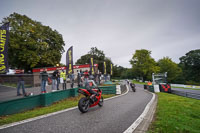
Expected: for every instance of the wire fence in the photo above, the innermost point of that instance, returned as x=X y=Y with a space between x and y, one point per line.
x=186 y=94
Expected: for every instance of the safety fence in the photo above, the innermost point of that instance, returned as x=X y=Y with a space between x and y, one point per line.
x=46 y=99
x=167 y=88
x=185 y=86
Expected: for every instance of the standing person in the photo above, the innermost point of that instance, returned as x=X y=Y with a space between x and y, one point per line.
x=86 y=76
x=44 y=78
x=78 y=78
x=21 y=83
x=54 y=75
x=71 y=76
x=81 y=72
x=63 y=76
x=99 y=77
x=58 y=78
x=105 y=77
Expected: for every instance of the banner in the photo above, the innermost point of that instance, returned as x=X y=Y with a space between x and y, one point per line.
x=69 y=60
x=92 y=66
x=111 y=69
x=4 y=36
x=104 y=66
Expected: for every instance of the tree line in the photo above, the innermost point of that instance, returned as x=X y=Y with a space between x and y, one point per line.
x=185 y=72
x=33 y=45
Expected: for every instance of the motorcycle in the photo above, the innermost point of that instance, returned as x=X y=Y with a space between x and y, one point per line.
x=89 y=100
x=133 y=87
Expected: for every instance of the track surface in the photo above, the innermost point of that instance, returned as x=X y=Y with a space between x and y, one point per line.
x=114 y=117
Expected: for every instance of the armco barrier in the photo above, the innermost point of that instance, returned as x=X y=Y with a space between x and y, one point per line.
x=186 y=94
x=22 y=104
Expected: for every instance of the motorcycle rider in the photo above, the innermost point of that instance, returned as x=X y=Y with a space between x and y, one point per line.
x=87 y=85
x=132 y=86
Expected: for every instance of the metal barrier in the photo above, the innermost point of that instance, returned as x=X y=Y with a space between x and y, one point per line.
x=186 y=94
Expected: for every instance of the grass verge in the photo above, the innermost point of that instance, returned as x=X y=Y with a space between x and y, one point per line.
x=137 y=82
x=176 y=114
x=61 y=105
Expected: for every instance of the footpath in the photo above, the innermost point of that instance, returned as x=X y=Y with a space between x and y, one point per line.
x=10 y=93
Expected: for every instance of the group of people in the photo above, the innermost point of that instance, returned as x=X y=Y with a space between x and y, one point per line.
x=84 y=79
x=57 y=78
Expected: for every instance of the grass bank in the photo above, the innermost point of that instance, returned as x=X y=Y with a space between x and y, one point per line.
x=137 y=82
x=176 y=114
x=61 y=105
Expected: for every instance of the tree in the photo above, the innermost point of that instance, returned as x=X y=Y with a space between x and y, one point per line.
x=190 y=64
x=118 y=71
x=143 y=64
x=32 y=44
x=173 y=70
x=127 y=74
x=98 y=56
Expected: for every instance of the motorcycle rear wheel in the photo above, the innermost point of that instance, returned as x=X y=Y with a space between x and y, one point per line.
x=101 y=102
x=83 y=105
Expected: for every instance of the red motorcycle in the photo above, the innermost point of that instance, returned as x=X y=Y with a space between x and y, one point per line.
x=90 y=100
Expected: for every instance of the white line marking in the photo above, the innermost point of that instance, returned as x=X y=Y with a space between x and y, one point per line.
x=51 y=114
x=141 y=117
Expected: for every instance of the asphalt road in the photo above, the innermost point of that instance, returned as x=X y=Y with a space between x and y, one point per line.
x=114 y=117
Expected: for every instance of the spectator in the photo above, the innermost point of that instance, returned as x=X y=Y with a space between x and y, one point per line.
x=44 y=77
x=54 y=76
x=81 y=72
x=21 y=83
x=71 y=76
x=58 y=79
x=99 y=77
x=78 y=78
x=86 y=75
x=63 y=76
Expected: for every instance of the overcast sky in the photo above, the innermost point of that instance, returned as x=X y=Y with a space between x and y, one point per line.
x=118 y=27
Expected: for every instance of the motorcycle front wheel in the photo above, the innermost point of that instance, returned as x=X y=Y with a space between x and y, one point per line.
x=83 y=105
x=101 y=102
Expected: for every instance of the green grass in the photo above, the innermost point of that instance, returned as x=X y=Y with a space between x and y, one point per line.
x=176 y=114
x=185 y=88
x=64 y=104
x=136 y=82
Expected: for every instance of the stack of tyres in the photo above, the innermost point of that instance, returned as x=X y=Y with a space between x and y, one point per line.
x=151 y=88
x=165 y=88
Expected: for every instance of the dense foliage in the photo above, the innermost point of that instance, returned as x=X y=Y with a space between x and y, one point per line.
x=32 y=44
x=190 y=64
x=143 y=64
x=186 y=72
x=98 y=56
x=173 y=70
